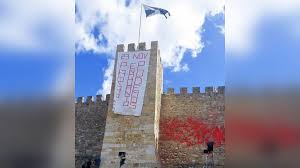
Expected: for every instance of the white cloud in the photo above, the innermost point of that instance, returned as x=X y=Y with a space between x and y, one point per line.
x=26 y=26
x=242 y=18
x=37 y=26
x=106 y=85
x=185 y=68
x=119 y=24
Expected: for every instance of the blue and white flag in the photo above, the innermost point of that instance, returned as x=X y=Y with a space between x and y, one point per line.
x=150 y=11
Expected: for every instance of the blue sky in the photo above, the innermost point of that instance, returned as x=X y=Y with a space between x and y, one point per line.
x=31 y=70
x=207 y=69
x=274 y=61
x=28 y=73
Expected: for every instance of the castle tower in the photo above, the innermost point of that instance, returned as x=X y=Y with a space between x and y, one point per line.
x=137 y=136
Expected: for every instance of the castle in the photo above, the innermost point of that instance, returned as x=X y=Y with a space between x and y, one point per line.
x=172 y=130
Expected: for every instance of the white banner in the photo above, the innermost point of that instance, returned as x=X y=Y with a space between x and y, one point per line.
x=131 y=79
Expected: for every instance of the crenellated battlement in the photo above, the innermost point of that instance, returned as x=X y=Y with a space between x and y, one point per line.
x=170 y=91
x=140 y=47
x=152 y=137
x=90 y=115
x=196 y=90
x=92 y=99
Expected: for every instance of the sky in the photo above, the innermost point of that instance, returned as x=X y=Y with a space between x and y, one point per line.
x=66 y=48
x=36 y=48
x=260 y=47
x=90 y=66
x=275 y=60
x=262 y=51
x=191 y=42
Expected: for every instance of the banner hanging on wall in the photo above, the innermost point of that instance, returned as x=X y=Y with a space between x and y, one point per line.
x=130 y=85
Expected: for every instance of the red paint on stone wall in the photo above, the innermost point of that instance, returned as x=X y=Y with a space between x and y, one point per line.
x=191 y=131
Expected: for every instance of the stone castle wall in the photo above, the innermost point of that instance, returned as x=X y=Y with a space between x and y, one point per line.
x=182 y=116
x=171 y=132
x=131 y=134
x=90 y=124
x=187 y=122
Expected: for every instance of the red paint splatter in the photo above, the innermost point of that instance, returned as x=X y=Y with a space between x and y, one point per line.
x=191 y=131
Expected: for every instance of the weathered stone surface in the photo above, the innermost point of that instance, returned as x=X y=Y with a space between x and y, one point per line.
x=186 y=113
x=135 y=135
x=170 y=132
x=89 y=126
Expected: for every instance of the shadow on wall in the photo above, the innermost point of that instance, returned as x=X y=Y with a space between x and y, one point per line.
x=91 y=163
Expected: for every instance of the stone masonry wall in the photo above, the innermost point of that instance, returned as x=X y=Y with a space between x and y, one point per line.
x=187 y=122
x=90 y=124
x=171 y=132
x=131 y=134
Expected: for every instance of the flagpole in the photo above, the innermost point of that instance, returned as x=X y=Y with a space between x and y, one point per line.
x=140 y=24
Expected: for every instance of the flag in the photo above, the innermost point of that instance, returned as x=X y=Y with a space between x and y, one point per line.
x=150 y=11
